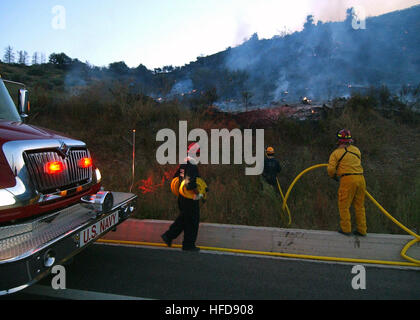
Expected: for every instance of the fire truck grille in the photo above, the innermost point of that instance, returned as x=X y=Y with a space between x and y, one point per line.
x=72 y=175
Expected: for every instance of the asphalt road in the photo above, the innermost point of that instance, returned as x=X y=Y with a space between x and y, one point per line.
x=171 y=274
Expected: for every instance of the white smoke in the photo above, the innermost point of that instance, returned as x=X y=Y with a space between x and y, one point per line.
x=182 y=87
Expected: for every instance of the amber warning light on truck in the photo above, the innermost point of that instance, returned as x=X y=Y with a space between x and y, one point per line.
x=54 y=167
x=85 y=163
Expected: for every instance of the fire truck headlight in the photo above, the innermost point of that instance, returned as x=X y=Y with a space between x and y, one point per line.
x=6 y=198
x=98 y=175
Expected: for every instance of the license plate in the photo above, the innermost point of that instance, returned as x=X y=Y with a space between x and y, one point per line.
x=98 y=228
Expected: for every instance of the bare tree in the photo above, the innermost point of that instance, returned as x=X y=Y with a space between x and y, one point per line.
x=43 y=58
x=35 y=58
x=246 y=97
x=9 y=56
x=23 y=57
x=20 y=57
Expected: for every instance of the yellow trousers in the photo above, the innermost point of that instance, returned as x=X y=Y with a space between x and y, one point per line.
x=352 y=191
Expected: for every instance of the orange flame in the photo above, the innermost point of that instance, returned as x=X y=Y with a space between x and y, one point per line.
x=149 y=186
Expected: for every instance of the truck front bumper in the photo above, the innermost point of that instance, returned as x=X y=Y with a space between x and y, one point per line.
x=29 y=251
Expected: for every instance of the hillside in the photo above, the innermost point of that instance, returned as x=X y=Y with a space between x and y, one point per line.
x=322 y=62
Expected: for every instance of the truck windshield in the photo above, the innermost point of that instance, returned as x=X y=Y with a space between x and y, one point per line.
x=8 y=109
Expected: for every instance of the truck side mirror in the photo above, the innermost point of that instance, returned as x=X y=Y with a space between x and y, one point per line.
x=23 y=103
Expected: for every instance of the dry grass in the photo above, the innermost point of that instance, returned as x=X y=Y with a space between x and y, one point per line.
x=104 y=120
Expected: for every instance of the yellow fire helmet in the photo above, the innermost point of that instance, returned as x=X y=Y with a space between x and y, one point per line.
x=175 y=186
x=201 y=187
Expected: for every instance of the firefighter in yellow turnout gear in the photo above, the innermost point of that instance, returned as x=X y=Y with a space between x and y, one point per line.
x=345 y=165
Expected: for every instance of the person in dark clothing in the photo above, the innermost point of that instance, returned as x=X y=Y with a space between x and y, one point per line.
x=188 y=219
x=271 y=169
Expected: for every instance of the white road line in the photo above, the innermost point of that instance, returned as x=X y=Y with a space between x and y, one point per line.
x=72 y=294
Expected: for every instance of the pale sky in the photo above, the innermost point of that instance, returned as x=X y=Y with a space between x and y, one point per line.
x=160 y=32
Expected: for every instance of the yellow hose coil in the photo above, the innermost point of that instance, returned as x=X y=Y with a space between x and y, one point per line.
x=175 y=186
x=189 y=194
x=387 y=214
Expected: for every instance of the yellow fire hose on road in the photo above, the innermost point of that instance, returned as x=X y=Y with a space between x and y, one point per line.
x=413 y=263
x=387 y=214
x=285 y=208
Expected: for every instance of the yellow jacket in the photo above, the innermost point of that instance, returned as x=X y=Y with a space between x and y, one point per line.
x=351 y=163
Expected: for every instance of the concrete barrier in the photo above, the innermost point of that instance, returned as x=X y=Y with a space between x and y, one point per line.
x=291 y=241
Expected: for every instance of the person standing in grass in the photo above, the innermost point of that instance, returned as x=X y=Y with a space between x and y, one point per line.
x=345 y=165
x=269 y=176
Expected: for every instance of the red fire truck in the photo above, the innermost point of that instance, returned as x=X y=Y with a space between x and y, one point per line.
x=52 y=205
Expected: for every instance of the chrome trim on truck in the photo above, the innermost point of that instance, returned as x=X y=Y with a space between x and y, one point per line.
x=25 y=192
x=72 y=174
x=22 y=256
